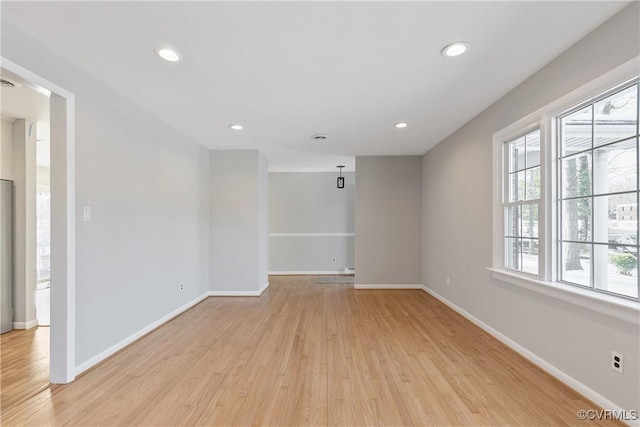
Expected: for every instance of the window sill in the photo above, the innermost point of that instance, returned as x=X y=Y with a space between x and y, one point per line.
x=618 y=308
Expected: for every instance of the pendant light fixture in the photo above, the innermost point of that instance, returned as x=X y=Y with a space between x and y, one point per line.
x=340 y=178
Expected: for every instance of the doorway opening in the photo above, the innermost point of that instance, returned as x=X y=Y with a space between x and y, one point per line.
x=24 y=174
x=39 y=164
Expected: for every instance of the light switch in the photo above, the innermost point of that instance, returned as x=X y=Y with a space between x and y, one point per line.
x=87 y=214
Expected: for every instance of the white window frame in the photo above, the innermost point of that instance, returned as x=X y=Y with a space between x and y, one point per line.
x=504 y=198
x=546 y=282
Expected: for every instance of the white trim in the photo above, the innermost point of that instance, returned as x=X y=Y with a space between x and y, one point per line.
x=534 y=358
x=25 y=325
x=234 y=293
x=387 y=286
x=618 y=308
x=137 y=335
x=312 y=234
x=63 y=241
x=257 y=293
x=304 y=273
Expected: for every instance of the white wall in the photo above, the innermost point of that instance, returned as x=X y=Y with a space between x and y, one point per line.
x=388 y=220
x=148 y=186
x=310 y=202
x=238 y=184
x=457 y=214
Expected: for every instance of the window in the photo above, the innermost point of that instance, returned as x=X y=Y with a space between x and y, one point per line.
x=598 y=178
x=522 y=200
x=566 y=194
x=43 y=239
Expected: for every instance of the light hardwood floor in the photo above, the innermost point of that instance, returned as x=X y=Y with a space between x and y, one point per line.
x=308 y=354
x=24 y=365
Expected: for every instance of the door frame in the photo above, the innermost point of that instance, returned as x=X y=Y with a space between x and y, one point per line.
x=63 y=224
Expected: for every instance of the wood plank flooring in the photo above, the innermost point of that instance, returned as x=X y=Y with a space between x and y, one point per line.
x=310 y=354
x=24 y=364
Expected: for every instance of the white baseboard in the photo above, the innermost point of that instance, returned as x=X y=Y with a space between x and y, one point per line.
x=125 y=342
x=389 y=286
x=304 y=273
x=586 y=391
x=25 y=325
x=264 y=288
x=239 y=293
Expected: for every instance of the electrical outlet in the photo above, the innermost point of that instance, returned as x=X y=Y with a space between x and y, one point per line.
x=448 y=281
x=181 y=287
x=334 y=259
x=617 y=362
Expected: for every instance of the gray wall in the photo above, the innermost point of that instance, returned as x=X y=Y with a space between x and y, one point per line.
x=457 y=197
x=388 y=220
x=310 y=202
x=6 y=149
x=148 y=188
x=263 y=220
x=238 y=232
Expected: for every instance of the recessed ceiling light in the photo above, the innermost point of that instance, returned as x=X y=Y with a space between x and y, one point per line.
x=236 y=127
x=401 y=125
x=167 y=54
x=455 y=49
x=320 y=137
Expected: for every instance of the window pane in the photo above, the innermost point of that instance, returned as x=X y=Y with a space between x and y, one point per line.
x=616 y=269
x=530 y=221
x=576 y=220
x=530 y=256
x=614 y=167
x=576 y=263
x=615 y=219
x=576 y=176
x=43 y=239
x=576 y=131
x=516 y=155
x=513 y=252
x=533 y=149
x=513 y=221
x=532 y=184
x=616 y=116
x=516 y=186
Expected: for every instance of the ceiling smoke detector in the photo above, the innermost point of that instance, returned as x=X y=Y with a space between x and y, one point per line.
x=320 y=137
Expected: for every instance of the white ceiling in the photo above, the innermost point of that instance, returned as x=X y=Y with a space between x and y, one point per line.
x=288 y=70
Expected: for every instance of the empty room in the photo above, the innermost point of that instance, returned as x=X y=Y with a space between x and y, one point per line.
x=319 y=213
